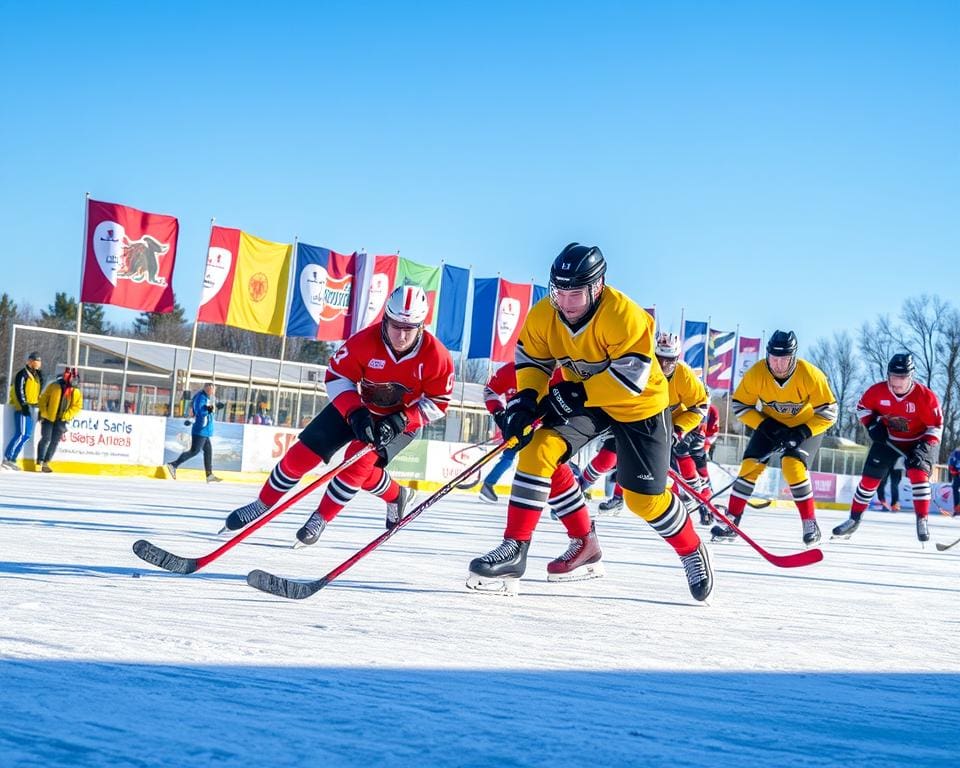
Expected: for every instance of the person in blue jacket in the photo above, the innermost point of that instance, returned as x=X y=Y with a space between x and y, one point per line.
x=202 y=407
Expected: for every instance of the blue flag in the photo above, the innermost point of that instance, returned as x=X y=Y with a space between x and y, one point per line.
x=452 y=314
x=695 y=346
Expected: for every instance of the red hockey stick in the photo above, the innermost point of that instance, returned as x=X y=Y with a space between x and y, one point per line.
x=794 y=560
x=177 y=564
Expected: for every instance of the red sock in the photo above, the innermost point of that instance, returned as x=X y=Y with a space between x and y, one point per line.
x=921 y=503
x=688 y=469
x=686 y=541
x=604 y=461
x=295 y=464
x=521 y=522
x=736 y=506
x=807 y=510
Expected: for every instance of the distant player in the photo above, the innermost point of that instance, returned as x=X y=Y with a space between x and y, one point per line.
x=385 y=384
x=903 y=418
x=789 y=404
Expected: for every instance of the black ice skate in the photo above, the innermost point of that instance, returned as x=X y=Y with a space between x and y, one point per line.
x=699 y=573
x=724 y=532
x=244 y=515
x=846 y=529
x=613 y=505
x=811 y=532
x=923 y=530
x=310 y=532
x=395 y=510
x=499 y=570
x=488 y=494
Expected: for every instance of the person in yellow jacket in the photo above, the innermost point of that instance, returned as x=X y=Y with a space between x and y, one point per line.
x=25 y=391
x=789 y=404
x=604 y=343
x=59 y=403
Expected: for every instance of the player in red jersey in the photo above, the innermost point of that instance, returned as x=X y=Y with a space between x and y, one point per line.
x=903 y=418
x=385 y=383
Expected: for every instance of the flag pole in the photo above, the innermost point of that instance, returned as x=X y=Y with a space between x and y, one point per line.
x=706 y=353
x=682 y=329
x=493 y=330
x=463 y=357
x=283 y=340
x=83 y=270
x=196 y=320
x=733 y=372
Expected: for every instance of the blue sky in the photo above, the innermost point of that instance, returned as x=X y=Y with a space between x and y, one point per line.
x=765 y=164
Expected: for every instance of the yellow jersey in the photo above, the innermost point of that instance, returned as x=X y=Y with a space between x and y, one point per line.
x=804 y=398
x=612 y=354
x=689 y=400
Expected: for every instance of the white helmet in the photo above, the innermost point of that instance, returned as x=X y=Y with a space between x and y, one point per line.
x=408 y=305
x=668 y=346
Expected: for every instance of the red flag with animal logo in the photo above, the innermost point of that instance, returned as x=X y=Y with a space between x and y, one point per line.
x=129 y=258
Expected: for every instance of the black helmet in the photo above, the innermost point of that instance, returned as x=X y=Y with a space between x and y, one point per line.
x=901 y=364
x=577 y=265
x=782 y=344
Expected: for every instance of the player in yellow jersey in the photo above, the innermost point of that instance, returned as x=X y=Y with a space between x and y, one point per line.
x=789 y=404
x=689 y=403
x=612 y=382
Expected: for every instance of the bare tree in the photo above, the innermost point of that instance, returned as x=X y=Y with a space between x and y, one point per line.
x=877 y=343
x=836 y=358
x=923 y=319
x=948 y=353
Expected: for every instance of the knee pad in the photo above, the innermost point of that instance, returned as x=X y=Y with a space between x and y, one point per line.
x=751 y=469
x=644 y=506
x=544 y=453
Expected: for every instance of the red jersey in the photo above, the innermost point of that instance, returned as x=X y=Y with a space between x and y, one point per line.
x=365 y=372
x=710 y=426
x=914 y=416
x=503 y=385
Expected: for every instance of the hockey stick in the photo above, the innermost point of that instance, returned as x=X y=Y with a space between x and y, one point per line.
x=474 y=479
x=298 y=590
x=761 y=503
x=177 y=564
x=793 y=560
x=945 y=547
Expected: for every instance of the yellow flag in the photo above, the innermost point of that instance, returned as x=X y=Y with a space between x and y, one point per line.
x=259 y=297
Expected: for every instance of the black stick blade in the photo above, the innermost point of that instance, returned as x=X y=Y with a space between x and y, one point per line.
x=163 y=559
x=281 y=587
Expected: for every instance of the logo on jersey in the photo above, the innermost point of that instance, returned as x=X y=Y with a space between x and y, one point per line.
x=911 y=408
x=382 y=394
x=898 y=423
x=583 y=368
x=786 y=409
x=377 y=364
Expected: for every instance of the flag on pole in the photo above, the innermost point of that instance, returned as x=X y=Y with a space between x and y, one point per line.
x=452 y=311
x=720 y=373
x=499 y=310
x=539 y=292
x=428 y=278
x=321 y=307
x=748 y=352
x=695 y=345
x=129 y=258
x=245 y=283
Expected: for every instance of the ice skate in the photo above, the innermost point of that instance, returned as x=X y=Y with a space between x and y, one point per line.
x=172 y=470
x=395 y=510
x=811 y=532
x=310 y=532
x=846 y=529
x=581 y=561
x=613 y=505
x=699 y=573
x=923 y=529
x=244 y=516
x=724 y=532
x=487 y=494
x=498 y=572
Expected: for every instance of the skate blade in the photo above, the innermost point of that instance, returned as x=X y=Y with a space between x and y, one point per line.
x=495 y=585
x=583 y=573
x=841 y=536
x=723 y=539
x=299 y=545
x=224 y=531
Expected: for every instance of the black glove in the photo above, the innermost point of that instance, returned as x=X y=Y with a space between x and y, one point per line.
x=25 y=410
x=677 y=437
x=209 y=408
x=362 y=424
x=500 y=419
x=922 y=456
x=388 y=429
x=792 y=437
x=564 y=401
x=521 y=413
x=773 y=430
x=878 y=432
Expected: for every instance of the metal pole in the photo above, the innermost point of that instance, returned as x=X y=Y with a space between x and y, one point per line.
x=83 y=265
x=123 y=383
x=196 y=320
x=283 y=342
x=13 y=348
